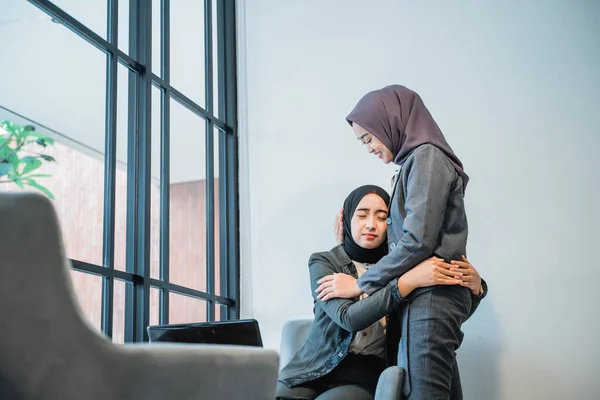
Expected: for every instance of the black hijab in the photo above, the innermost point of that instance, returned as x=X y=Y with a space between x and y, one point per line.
x=357 y=253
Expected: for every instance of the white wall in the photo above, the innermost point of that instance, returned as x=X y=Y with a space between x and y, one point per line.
x=515 y=86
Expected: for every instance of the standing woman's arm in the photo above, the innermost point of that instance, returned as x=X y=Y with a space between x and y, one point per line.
x=428 y=177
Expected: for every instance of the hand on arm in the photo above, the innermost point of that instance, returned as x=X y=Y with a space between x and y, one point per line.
x=349 y=314
x=337 y=286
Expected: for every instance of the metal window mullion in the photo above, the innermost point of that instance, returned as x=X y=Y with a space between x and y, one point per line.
x=132 y=178
x=91 y=268
x=210 y=219
x=110 y=167
x=138 y=252
x=228 y=152
x=223 y=217
x=144 y=92
x=173 y=288
x=165 y=159
x=223 y=207
x=210 y=180
x=190 y=104
x=232 y=227
x=231 y=155
x=232 y=160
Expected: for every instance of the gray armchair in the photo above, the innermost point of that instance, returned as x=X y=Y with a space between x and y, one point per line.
x=48 y=351
x=294 y=334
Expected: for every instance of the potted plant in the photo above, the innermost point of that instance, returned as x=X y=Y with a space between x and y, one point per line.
x=20 y=155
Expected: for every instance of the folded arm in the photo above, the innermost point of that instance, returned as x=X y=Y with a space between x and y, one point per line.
x=350 y=314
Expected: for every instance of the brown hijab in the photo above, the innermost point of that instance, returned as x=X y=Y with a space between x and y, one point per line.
x=398 y=117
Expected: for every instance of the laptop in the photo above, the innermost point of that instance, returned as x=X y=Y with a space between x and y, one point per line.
x=243 y=332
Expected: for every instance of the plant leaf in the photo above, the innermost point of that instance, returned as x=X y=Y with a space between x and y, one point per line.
x=39 y=187
x=36 y=176
x=5 y=168
x=27 y=159
x=17 y=181
x=32 y=165
x=36 y=135
x=47 y=158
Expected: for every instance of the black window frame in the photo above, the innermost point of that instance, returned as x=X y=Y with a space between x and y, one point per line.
x=138 y=61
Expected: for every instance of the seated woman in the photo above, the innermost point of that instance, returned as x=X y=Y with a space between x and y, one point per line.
x=346 y=349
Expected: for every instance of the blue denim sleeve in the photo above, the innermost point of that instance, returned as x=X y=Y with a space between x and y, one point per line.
x=427 y=177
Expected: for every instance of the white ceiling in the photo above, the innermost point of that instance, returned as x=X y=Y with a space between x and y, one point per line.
x=53 y=77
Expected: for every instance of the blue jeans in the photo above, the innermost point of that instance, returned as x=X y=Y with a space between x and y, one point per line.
x=430 y=336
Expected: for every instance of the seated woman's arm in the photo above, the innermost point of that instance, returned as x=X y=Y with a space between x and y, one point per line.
x=353 y=315
x=349 y=314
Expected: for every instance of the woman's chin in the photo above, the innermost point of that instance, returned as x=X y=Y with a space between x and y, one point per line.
x=369 y=245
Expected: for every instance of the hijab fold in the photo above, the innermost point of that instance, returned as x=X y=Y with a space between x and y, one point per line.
x=356 y=252
x=399 y=119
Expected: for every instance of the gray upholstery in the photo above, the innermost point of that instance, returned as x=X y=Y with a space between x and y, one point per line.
x=48 y=351
x=294 y=334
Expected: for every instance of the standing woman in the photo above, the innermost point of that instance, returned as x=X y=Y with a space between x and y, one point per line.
x=427 y=218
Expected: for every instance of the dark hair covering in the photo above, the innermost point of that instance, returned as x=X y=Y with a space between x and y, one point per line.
x=399 y=119
x=356 y=252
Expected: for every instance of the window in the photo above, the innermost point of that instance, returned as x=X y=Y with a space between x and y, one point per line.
x=142 y=114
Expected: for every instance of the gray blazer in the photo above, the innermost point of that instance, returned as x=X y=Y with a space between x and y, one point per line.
x=427 y=216
x=337 y=320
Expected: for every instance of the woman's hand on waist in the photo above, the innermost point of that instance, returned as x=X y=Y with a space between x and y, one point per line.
x=470 y=277
x=431 y=272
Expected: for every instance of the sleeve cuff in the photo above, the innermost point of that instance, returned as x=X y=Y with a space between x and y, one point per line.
x=396 y=296
x=365 y=287
x=485 y=290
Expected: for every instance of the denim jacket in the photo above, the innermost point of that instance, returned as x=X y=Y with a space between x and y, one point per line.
x=337 y=320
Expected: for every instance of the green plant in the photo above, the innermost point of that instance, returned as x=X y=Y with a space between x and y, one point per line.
x=18 y=161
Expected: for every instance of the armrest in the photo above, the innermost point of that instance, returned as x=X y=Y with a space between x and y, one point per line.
x=389 y=385
x=177 y=371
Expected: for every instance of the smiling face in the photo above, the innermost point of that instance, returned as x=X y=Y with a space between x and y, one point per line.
x=374 y=145
x=368 y=225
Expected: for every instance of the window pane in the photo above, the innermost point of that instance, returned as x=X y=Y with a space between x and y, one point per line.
x=156 y=36
x=119 y=311
x=183 y=309
x=215 y=55
x=187 y=61
x=220 y=312
x=92 y=14
x=124 y=25
x=154 y=306
x=155 y=229
x=187 y=253
x=88 y=289
x=121 y=172
x=217 y=250
x=63 y=89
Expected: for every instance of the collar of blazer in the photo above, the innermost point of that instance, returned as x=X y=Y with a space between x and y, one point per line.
x=342 y=258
